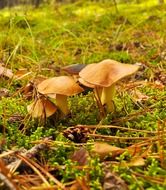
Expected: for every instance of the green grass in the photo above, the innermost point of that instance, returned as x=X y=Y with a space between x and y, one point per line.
x=87 y=32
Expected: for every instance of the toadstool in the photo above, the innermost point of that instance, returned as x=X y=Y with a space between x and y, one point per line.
x=73 y=70
x=41 y=108
x=60 y=88
x=102 y=77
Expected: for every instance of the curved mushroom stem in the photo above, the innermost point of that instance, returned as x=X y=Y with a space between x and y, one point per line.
x=106 y=97
x=98 y=92
x=61 y=102
x=97 y=95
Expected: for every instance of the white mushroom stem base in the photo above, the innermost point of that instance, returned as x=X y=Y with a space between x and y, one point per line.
x=106 y=94
x=61 y=102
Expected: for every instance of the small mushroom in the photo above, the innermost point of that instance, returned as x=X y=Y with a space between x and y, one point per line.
x=60 y=88
x=41 y=108
x=102 y=77
x=73 y=70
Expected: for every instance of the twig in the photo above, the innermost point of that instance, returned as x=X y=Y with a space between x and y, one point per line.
x=6 y=177
x=118 y=138
x=159 y=180
x=54 y=187
x=114 y=127
x=7 y=182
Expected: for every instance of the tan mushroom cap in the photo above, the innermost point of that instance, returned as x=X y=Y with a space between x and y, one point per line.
x=106 y=72
x=87 y=84
x=63 y=85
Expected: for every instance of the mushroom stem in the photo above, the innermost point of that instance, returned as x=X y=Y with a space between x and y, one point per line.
x=98 y=92
x=61 y=101
x=106 y=97
x=97 y=95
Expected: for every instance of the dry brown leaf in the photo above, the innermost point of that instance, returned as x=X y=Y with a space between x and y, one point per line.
x=113 y=182
x=6 y=72
x=139 y=96
x=134 y=150
x=4 y=92
x=80 y=156
x=27 y=89
x=159 y=85
x=136 y=161
x=104 y=149
x=41 y=108
x=38 y=79
x=21 y=73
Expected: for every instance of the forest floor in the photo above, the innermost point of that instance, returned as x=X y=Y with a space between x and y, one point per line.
x=124 y=150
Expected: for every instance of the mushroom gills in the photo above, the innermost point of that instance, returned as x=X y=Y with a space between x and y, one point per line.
x=61 y=102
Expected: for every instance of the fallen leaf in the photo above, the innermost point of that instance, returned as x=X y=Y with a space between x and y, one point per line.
x=112 y=181
x=134 y=150
x=139 y=96
x=38 y=79
x=21 y=73
x=136 y=161
x=6 y=72
x=4 y=92
x=158 y=84
x=80 y=156
x=104 y=149
x=28 y=90
x=41 y=108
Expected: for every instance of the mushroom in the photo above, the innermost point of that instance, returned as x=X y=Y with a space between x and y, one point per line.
x=41 y=108
x=60 y=88
x=103 y=76
x=73 y=70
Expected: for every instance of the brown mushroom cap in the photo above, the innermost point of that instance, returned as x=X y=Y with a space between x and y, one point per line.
x=106 y=72
x=63 y=85
x=73 y=69
x=84 y=83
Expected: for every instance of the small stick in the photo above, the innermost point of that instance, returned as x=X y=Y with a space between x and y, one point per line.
x=118 y=138
x=114 y=127
x=7 y=182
